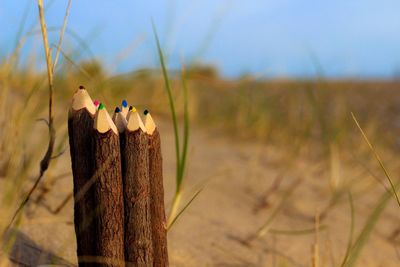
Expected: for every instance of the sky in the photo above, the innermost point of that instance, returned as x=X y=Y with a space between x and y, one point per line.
x=265 y=38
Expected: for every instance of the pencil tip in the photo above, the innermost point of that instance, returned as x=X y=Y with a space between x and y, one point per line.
x=124 y=103
x=117 y=110
x=81 y=87
x=101 y=106
x=130 y=108
x=146 y=112
x=96 y=102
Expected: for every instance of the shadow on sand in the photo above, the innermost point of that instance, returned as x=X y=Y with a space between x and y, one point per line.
x=25 y=252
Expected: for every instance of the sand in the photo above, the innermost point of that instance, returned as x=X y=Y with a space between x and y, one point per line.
x=244 y=182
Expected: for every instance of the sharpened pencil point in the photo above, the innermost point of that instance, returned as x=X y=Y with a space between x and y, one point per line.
x=124 y=103
x=130 y=108
x=146 y=112
x=81 y=87
x=82 y=100
x=117 y=110
x=96 y=103
x=101 y=106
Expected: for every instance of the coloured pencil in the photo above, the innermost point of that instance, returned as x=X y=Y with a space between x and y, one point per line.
x=108 y=191
x=80 y=125
x=158 y=220
x=135 y=170
x=124 y=108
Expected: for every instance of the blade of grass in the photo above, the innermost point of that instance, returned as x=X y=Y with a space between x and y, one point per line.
x=368 y=227
x=265 y=227
x=171 y=100
x=180 y=161
x=377 y=212
x=184 y=208
x=22 y=24
x=215 y=25
x=82 y=45
x=44 y=163
x=48 y=58
x=378 y=158
x=62 y=32
x=351 y=233
x=186 y=127
x=70 y=60
x=315 y=247
x=182 y=164
x=14 y=56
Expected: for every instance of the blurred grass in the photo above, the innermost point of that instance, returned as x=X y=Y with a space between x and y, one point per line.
x=272 y=111
x=267 y=110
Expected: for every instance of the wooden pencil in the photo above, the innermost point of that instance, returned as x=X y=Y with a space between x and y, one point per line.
x=124 y=108
x=135 y=162
x=96 y=103
x=119 y=120
x=129 y=112
x=80 y=125
x=158 y=220
x=108 y=191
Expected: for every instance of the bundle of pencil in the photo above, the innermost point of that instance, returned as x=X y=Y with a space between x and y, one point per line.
x=118 y=185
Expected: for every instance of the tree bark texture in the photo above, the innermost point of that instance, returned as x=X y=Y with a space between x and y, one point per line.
x=108 y=193
x=158 y=220
x=135 y=173
x=80 y=126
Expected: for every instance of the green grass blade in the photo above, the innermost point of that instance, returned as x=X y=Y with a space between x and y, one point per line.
x=378 y=158
x=184 y=208
x=185 y=130
x=171 y=102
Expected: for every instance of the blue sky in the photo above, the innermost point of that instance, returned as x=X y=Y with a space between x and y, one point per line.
x=276 y=38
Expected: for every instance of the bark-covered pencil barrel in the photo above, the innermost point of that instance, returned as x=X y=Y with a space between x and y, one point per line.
x=108 y=191
x=158 y=220
x=135 y=162
x=80 y=125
